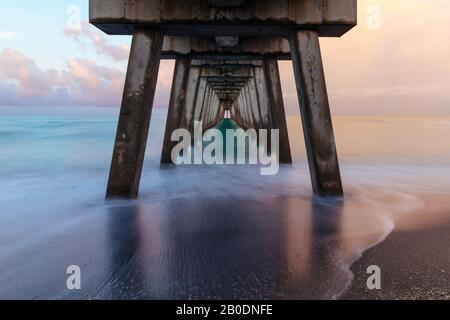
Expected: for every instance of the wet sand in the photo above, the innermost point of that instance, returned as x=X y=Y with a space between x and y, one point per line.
x=414 y=265
x=414 y=260
x=235 y=244
x=221 y=248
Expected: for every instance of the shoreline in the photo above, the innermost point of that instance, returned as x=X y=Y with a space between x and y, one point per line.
x=414 y=264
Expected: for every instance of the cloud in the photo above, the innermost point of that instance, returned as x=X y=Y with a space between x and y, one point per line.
x=401 y=68
x=81 y=83
x=90 y=34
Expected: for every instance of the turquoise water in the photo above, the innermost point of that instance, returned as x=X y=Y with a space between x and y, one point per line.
x=195 y=232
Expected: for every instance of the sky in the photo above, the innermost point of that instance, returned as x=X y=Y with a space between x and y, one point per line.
x=396 y=61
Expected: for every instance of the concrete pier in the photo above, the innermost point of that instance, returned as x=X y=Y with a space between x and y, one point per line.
x=278 y=114
x=187 y=114
x=227 y=56
x=135 y=114
x=176 y=105
x=315 y=111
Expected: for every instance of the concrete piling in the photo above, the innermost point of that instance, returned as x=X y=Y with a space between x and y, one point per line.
x=261 y=88
x=315 y=112
x=278 y=115
x=225 y=64
x=135 y=114
x=176 y=105
x=187 y=116
x=200 y=99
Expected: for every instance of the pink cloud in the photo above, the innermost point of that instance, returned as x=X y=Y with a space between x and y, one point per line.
x=82 y=82
x=97 y=39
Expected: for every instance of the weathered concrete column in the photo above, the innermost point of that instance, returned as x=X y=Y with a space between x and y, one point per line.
x=200 y=100
x=240 y=104
x=315 y=111
x=249 y=107
x=187 y=117
x=239 y=116
x=243 y=110
x=222 y=113
x=205 y=108
x=213 y=109
x=255 y=105
x=176 y=105
x=238 y=112
x=209 y=108
x=135 y=114
x=216 y=111
x=277 y=108
x=263 y=97
x=235 y=114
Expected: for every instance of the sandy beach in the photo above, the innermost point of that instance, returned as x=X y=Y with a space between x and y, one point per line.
x=414 y=260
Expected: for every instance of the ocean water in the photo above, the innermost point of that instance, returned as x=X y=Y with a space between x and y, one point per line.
x=206 y=232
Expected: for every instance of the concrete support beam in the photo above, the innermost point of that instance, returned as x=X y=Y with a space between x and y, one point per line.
x=235 y=115
x=213 y=112
x=255 y=104
x=263 y=98
x=216 y=110
x=206 y=105
x=240 y=115
x=187 y=118
x=222 y=112
x=252 y=106
x=315 y=111
x=216 y=117
x=200 y=100
x=226 y=3
x=208 y=48
x=277 y=108
x=247 y=110
x=135 y=114
x=176 y=104
x=194 y=17
x=247 y=107
x=210 y=107
x=241 y=110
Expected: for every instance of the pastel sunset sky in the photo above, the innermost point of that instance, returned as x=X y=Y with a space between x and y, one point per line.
x=396 y=61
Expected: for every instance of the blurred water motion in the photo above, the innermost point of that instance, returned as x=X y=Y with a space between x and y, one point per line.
x=204 y=232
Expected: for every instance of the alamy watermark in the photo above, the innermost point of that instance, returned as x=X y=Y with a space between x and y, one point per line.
x=238 y=146
x=373 y=21
x=74 y=17
x=374 y=280
x=73 y=281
